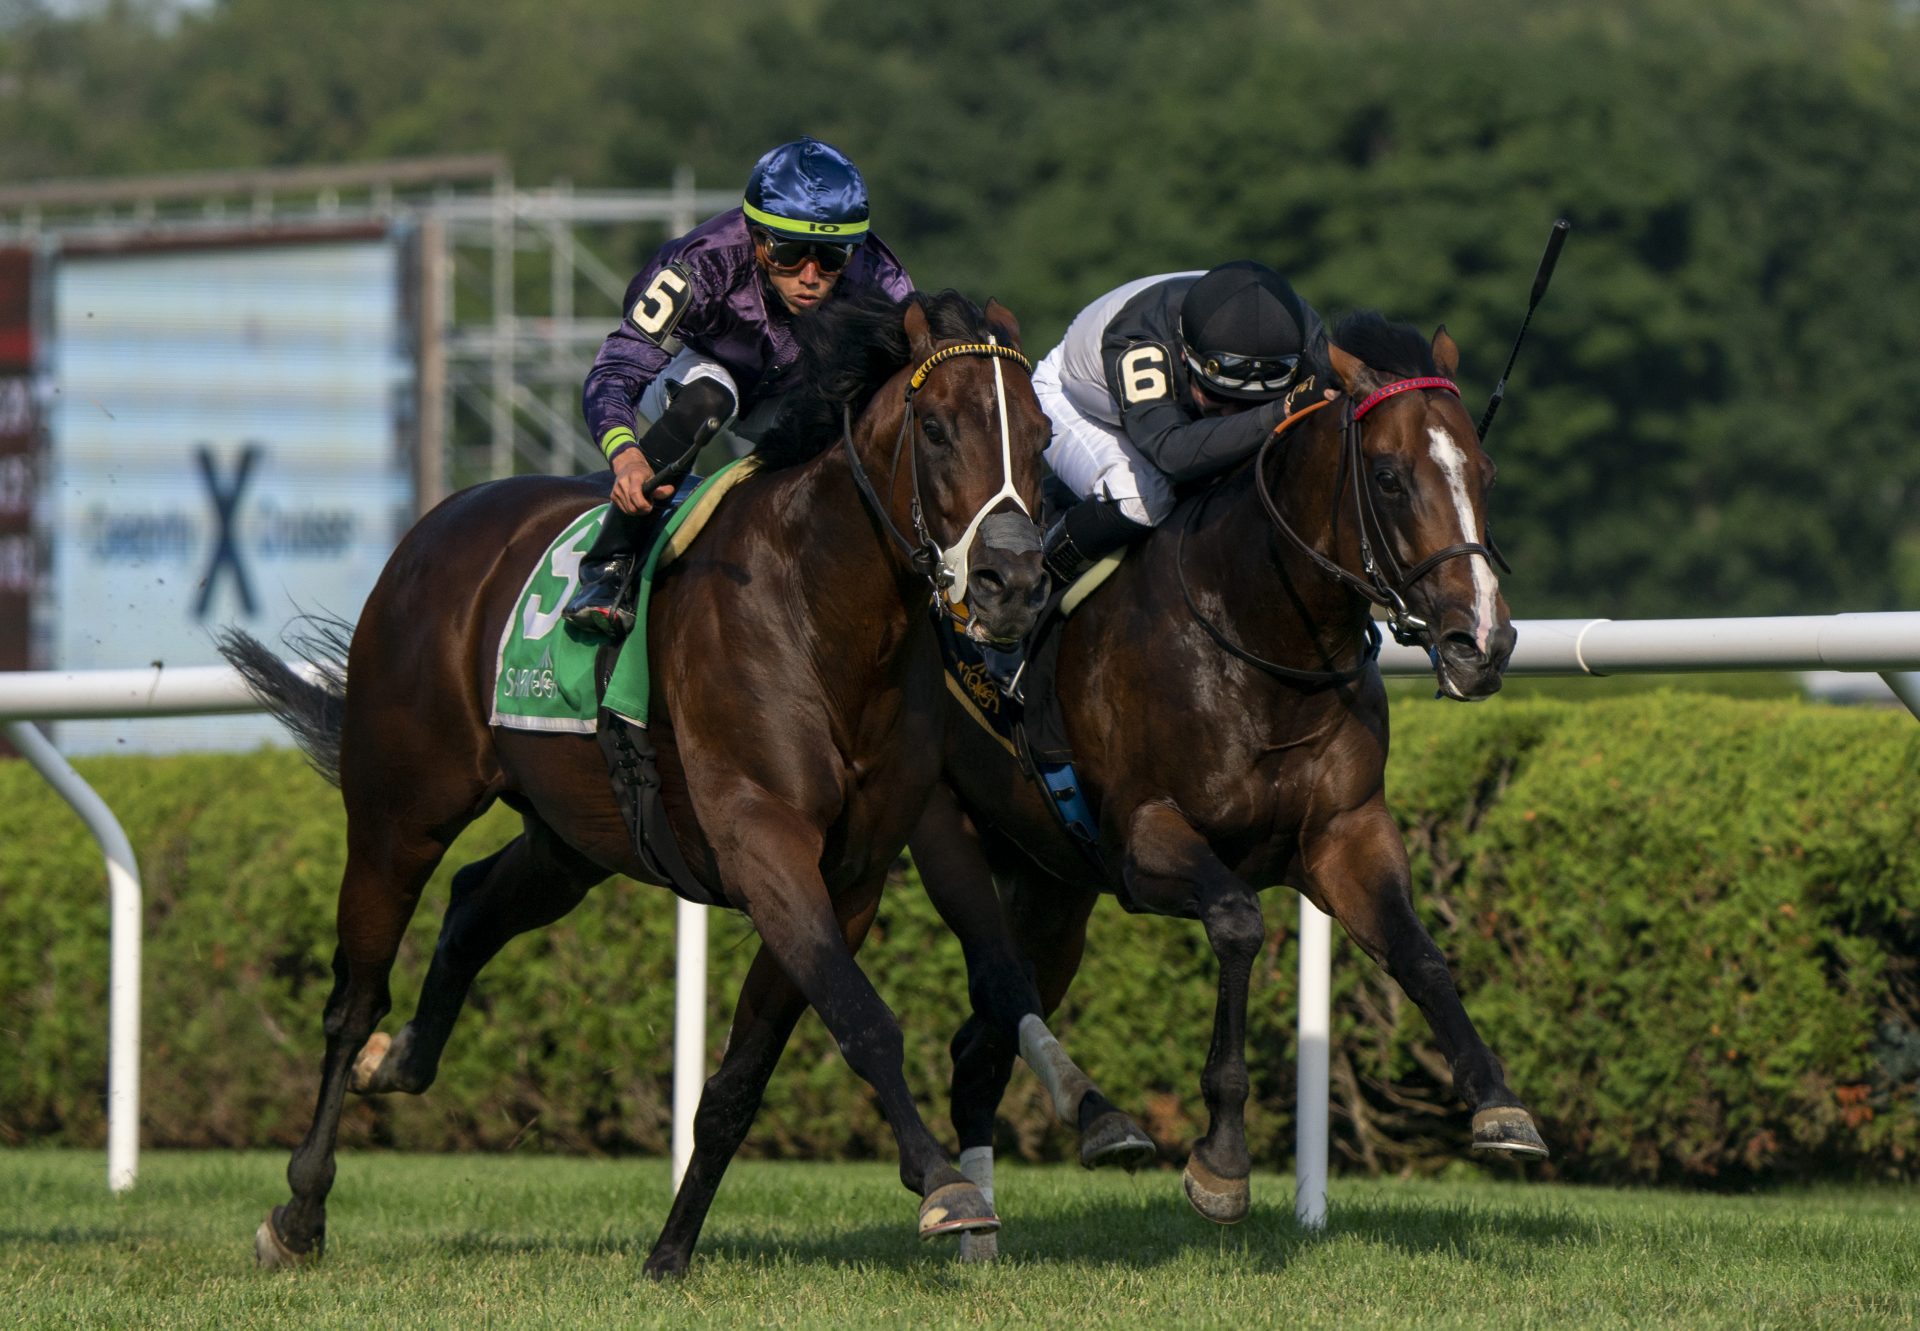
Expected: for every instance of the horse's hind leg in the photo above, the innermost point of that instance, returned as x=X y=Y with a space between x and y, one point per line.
x=1047 y=920
x=1007 y=1011
x=384 y=875
x=1357 y=872
x=763 y=1020
x=527 y=884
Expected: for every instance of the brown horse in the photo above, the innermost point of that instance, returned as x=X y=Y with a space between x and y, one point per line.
x=796 y=710
x=1230 y=728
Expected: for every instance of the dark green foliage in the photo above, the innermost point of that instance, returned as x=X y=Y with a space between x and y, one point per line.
x=1714 y=412
x=1688 y=924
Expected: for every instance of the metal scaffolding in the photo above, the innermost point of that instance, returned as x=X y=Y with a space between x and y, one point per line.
x=511 y=290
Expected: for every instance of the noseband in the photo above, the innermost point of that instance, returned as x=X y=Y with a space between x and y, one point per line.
x=1385 y=584
x=944 y=569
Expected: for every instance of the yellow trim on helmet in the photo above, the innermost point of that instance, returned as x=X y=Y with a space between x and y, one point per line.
x=849 y=231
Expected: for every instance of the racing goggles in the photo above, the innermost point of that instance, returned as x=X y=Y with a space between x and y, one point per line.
x=1244 y=374
x=787 y=257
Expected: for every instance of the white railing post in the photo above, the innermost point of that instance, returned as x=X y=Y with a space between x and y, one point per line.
x=689 y=1028
x=1906 y=687
x=1314 y=1067
x=123 y=982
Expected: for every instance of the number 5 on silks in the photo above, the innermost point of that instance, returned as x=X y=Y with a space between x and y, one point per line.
x=663 y=302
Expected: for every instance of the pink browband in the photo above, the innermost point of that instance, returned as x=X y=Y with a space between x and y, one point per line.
x=1380 y=395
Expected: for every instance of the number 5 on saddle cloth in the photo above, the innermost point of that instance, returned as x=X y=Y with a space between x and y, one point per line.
x=555 y=678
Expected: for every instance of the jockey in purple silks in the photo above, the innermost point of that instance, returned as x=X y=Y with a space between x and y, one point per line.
x=707 y=339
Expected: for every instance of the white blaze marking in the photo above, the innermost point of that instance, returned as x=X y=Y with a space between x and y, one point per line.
x=1453 y=463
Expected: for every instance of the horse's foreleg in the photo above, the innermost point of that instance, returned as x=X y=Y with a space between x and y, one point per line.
x=1170 y=868
x=770 y=854
x=1007 y=1006
x=528 y=884
x=763 y=1020
x=1357 y=872
x=377 y=897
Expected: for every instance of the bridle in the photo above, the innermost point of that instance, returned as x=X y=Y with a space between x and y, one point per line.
x=946 y=569
x=1385 y=584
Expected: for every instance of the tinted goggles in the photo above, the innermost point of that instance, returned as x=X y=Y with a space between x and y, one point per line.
x=790 y=256
x=1247 y=374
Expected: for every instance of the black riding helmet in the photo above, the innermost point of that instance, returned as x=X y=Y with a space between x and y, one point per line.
x=1243 y=329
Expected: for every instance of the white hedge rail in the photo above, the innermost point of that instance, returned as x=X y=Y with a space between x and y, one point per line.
x=1887 y=644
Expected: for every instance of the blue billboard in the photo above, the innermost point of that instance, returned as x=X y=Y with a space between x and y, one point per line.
x=229 y=442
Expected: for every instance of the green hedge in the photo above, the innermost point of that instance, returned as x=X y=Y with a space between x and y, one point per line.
x=1690 y=926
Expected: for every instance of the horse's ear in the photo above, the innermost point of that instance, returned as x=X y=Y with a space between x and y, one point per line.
x=1347 y=369
x=919 y=335
x=1446 y=356
x=1001 y=320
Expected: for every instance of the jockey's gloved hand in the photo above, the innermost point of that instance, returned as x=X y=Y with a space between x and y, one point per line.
x=694 y=416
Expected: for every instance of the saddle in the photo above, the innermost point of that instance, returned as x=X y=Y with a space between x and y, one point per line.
x=555 y=678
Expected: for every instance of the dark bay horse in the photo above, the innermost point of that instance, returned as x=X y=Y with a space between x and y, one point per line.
x=1230 y=728
x=797 y=710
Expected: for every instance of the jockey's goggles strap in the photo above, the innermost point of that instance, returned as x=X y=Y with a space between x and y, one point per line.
x=1380 y=395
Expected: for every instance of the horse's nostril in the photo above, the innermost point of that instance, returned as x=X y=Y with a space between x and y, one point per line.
x=986 y=584
x=1461 y=643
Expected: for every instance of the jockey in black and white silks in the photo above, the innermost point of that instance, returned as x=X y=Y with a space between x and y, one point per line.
x=1164 y=380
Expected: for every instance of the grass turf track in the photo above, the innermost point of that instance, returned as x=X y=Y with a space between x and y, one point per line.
x=510 y=1241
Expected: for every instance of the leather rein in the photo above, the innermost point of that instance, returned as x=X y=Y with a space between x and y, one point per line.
x=1385 y=584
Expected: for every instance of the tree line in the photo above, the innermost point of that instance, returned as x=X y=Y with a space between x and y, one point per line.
x=1713 y=414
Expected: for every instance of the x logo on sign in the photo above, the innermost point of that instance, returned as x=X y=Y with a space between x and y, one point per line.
x=226 y=507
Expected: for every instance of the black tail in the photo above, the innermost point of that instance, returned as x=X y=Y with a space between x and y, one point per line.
x=311 y=708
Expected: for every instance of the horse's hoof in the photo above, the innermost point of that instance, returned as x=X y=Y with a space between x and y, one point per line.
x=271 y=1252
x=979 y=1247
x=665 y=1265
x=956 y=1208
x=367 y=1065
x=1115 y=1139
x=1225 y=1201
x=1510 y=1130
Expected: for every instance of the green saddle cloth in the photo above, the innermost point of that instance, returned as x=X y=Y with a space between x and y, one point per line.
x=544 y=678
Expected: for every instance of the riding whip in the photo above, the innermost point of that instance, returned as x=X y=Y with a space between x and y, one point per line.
x=1555 y=239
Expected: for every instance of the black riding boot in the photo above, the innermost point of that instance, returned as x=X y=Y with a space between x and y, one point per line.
x=604 y=602
x=1084 y=535
x=1079 y=538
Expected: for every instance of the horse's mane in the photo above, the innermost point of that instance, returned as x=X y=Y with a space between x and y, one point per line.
x=1395 y=350
x=849 y=347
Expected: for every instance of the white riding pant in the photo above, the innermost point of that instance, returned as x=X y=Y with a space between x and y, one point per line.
x=685 y=368
x=1095 y=458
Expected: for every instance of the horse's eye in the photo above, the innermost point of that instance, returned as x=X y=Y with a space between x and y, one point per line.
x=935 y=435
x=1388 y=482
